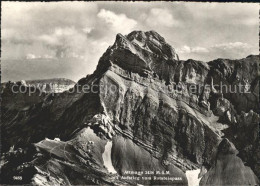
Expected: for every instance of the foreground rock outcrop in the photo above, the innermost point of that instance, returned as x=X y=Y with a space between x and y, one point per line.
x=228 y=169
x=161 y=114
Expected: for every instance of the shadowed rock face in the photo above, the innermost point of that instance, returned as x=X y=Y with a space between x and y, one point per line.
x=228 y=169
x=160 y=113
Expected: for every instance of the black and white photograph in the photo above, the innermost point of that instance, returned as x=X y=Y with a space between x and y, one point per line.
x=130 y=93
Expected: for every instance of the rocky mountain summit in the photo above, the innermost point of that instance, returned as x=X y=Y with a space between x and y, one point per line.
x=157 y=112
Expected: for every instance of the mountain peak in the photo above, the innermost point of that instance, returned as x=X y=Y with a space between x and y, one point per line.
x=145 y=35
x=140 y=52
x=149 y=41
x=153 y=42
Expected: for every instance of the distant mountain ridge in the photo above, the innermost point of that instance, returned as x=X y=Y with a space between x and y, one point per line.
x=51 y=80
x=55 y=85
x=64 y=81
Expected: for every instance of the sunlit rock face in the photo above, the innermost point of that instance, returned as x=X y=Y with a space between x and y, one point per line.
x=144 y=109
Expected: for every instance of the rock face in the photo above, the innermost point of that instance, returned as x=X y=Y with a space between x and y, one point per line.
x=161 y=114
x=228 y=169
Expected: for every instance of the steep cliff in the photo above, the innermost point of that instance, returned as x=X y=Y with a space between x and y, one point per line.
x=160 y=113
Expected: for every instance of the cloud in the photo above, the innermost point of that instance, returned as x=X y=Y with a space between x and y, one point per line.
x=184 y=49
x=87 y=30
x=232 y=50
x=65 y=31
x=84 y=30
x=118 y=22
x=33 y=56
x=227 y=13
x=235 y=45
x=187 y=49
x=160 y=17
x=66 y=42
x=47 y=15
x=45 y=26
x=47 y=34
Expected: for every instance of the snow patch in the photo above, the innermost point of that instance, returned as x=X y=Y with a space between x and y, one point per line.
x=107 y=158
x=56 y=139
x=193 y=177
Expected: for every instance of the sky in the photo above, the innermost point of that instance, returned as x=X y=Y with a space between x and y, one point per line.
x=43 y=40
